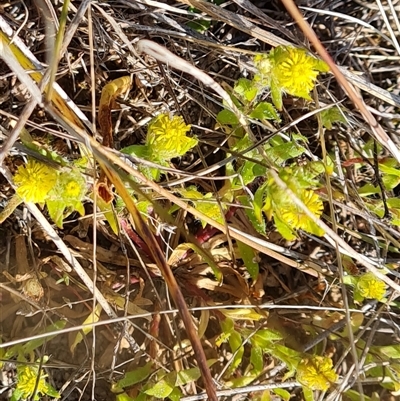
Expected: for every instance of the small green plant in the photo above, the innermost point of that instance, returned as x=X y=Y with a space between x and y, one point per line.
x=199 y=24
x=31 y=382
x=166 y=139
x=331 y=116
x=313 y=372
x=151 y=384
x=288 y=217
x=206 y=204
x=290 y=70
x=367 y=286
x=27 y=377
x=245 y=96
x=61 y=190
x=283 y=70
x=371 y=193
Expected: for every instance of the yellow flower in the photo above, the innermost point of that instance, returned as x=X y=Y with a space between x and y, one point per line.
x=71 y=187
x=316 y=373
x=167 y=138
x=27 y=377
x=295 y=71
x=34 y=181
x=295 y=217
x=371 y=287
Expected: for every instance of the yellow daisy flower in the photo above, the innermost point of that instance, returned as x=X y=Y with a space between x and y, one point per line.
x=27 y=377
x=71 y=187
x=296 y=71
x=371 y=287
x=167 y=137
x=316 y=373
x=34 y=181
x=296 y=217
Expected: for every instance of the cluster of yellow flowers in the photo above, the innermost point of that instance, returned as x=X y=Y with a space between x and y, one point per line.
x=38 y=183
x=288 y=69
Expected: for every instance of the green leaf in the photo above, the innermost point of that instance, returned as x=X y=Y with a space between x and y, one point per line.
x=393 y=202
x=276 y=95
x=280 y=153
x=353 y=395
x=265 y=111
x=331 y=116
x=199 y=25
x=265 y=338
x=390 y=181
x=176 y=394
x=188 y=375
x=123 y=397
x=299 y=138
x=389 y=351
x=236 y=344
x=241 y=381
x=50 y=391
x=246 y=89
x=254 y=212
x=47 y=153
x=206 y=204
x=313 y=169
x=227 y=117
x=291 y=357
x=350 y=280
x=249 y=257
x=387 y=168
x=368 y=189
x=56 y=211
x=258 y=204
x=308 y=394
x=256 y=359
x=78 y=207
x=162 y=388
x=284 y=229
x=93 y=317
x=243 y=144
x=16 y=395
x=33 y=345
x=247 y=172
x=141 y=151
x=227 y=326
x=259 y=170
x=107 y=210
x=133 y=377
x=142 y=397
x=285 y=395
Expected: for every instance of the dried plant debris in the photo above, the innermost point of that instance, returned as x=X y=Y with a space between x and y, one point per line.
x=191 y=205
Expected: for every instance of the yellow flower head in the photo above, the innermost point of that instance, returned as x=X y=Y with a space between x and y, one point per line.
x=167 y=137
x=27 y=376
x=316 y=373
x=34 y=181
x=295 y=71
x=371 y=287
x=71 y=187
x=295 y=217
